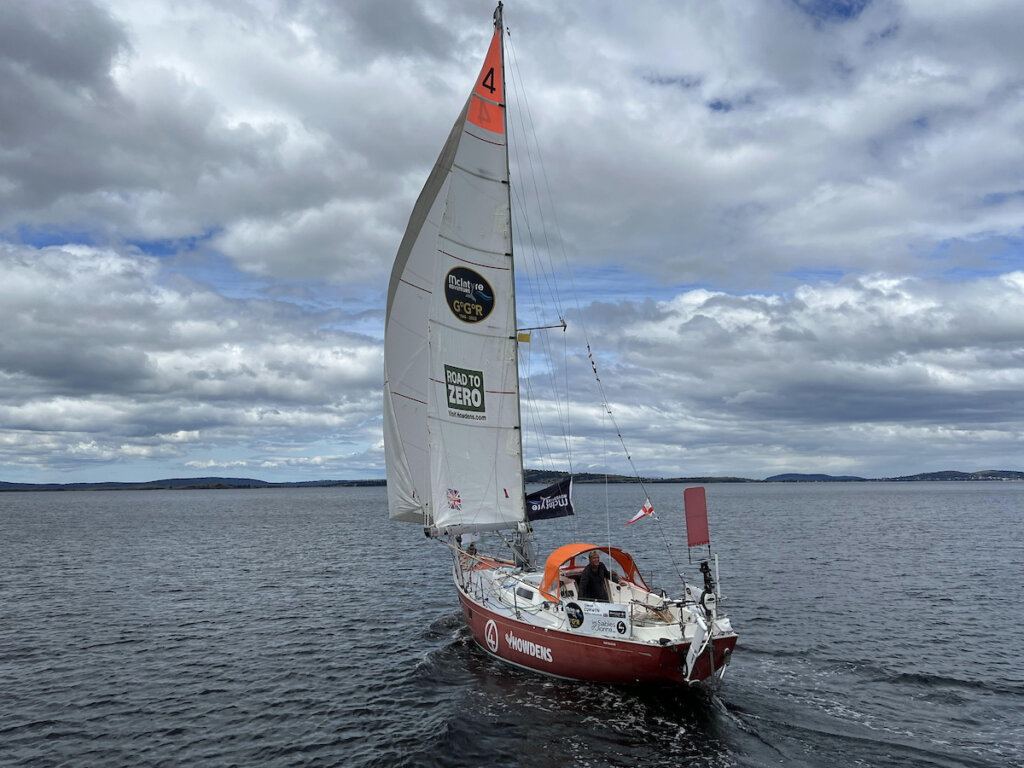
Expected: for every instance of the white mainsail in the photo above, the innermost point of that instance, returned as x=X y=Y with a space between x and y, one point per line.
x=451 y=393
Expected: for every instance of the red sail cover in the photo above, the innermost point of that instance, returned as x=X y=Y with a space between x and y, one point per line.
x=696 y=506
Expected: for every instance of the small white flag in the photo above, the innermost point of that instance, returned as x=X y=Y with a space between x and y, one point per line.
x=645 y=510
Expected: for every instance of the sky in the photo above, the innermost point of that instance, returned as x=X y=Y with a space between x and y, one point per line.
x=795 y=229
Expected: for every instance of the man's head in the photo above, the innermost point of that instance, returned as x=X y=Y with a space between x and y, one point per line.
x=595 y=557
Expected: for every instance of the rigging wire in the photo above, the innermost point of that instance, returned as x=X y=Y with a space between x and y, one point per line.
x=539 y=279
x=540 y=272
x=543 y=339
x=525 y=110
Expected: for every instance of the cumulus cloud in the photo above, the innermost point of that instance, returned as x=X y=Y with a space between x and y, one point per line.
x=200 y=202
x=102 y=363
x=846 y=376
x=728 y=144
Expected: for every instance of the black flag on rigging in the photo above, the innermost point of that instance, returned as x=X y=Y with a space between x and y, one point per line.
x=553 y=501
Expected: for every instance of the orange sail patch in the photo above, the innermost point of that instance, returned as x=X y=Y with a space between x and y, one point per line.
x=489 y=91
x=487 y=116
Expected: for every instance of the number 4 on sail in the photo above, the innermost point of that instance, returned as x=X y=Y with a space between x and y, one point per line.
x=453 y=442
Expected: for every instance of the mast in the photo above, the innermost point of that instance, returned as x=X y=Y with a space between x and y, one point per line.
x=522 y=545
x=499 y=24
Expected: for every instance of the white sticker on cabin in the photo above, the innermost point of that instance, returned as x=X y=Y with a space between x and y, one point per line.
x=603 y=619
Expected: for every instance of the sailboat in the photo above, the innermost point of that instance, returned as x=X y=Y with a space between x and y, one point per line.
x=453 y=443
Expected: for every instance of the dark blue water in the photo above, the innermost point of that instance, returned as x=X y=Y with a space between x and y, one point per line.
x=880 y=624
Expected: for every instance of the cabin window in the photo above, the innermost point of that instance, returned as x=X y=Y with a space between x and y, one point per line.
x=524 y=593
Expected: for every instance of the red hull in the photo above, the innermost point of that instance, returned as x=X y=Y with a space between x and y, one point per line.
x=578 y=657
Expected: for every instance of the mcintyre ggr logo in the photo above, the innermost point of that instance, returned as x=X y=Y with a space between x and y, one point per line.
x=469 y=296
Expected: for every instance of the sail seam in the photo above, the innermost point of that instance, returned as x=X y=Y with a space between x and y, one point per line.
x=467 y=261
x=481 y=138
x=413 y=285
x=489 y=101
x=469 y=247
x=475 y=425
x=480 y=332
x=409 y=397
x=479 y=175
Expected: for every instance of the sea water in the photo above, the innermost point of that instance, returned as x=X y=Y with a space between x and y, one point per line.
x=880 y=624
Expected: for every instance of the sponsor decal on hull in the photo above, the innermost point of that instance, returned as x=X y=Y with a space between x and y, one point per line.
x=515 y=643
x=530 y=649
x=491 y=635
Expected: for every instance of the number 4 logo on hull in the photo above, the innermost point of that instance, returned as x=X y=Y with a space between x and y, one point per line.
x=491 y=635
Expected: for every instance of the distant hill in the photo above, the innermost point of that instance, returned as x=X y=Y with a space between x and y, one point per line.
x=532 y=476
x=548 y=477
x=793 y=477
x=985 y=474
x=184 y=484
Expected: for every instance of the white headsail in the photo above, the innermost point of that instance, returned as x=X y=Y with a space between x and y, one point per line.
x=451 y=393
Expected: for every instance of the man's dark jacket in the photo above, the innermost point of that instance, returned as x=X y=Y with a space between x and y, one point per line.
x=593 y=583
